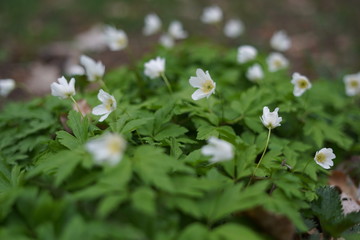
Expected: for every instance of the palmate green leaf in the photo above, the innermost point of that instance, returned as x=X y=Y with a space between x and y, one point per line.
x=61 y=165
x=109 y=203
x=79 y=125
x=136 y=123
x=112 y=180
x=169 y=130
x=67 y=140
x=143 y=200
x=153 y=166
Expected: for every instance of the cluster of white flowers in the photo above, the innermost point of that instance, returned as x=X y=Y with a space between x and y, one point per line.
x=175 y=31
x=110 y=147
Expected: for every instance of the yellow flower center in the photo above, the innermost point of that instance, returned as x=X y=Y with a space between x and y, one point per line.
x=109 y=105
x=320 y=157
x=121 y=41
x=207 y=86
x=278 y=63
x=354 y=84
x=302 y=83
x=115 y=145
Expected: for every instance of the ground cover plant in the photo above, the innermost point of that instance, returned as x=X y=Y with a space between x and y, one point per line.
x=198 y=141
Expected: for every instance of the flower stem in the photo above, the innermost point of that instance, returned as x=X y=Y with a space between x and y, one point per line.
x=166 y=82
x=261 y=158
x=76 y=105
x=103 y=85
x=306 y=165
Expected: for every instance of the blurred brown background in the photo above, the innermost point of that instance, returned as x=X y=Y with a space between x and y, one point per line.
x=37 y=36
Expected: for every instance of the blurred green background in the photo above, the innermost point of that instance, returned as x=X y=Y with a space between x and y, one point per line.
x=325 y=33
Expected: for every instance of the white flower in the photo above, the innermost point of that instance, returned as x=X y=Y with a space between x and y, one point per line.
x=94 y=70
x=63 y=89
x=324 y=157
x=152 y=24
x=74 y=69
x=352 y=84
x=205 y=84
x=301 y=84
x=280 y=41
x=166 y=41
x=246 y=53
x=276 y=61
x=271 y=119
x=116 y=39
x=6 y=86
x=176 y=30
x=108 y=105
x=255 y=73
x=233 y=28
x=155 y=67
x=220 y=150
x=212 y=14
x=108 y=148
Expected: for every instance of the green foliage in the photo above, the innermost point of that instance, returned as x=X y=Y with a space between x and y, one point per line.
x=163 y=187
x=328 y=209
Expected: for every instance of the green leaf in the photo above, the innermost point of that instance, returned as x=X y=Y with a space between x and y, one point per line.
x=143 y=200
x=232 y=231
x=169 y=130
x=79 y=125
x=67 y=139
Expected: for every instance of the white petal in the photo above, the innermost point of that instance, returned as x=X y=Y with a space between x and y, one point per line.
x=201 y=74
x=103 y=96
x=100 y=110
x=198 y=94
x=196 y=82
x=104 y=117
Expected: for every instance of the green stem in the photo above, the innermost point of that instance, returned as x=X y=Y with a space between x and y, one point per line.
x=235 y=170
x=306 y=165
x=76 y=105
x=261 y=158
x=166 y=81
x=103 y=85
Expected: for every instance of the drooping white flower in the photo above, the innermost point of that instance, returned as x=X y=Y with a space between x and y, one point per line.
x=220 y=150
x=246 y=53
x=6 y=86
x=167 y=41
x=255 y=73
x=204 y=82
x=116 y=39
x=234 y=28
x=280 y=41
x=155 y=67
x=63 y=89
x=152 y=24
x=271 y=119
x=352 y=84
x=108 y=105
x=108 y=148
x=276 y=61
x=176 y=30
x=301 y=84
x=324 y=157
x=212 y=14
x=94 y=70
